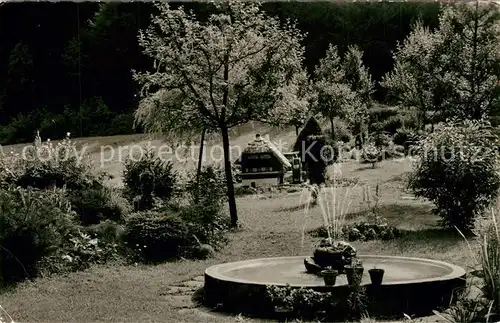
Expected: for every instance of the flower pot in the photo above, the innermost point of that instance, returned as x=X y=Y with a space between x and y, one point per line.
x=329 y=258
x=329 y=276
x=354 y=274
x=376 y=276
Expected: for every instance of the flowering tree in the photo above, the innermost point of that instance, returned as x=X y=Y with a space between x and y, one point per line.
x=239 y=65
x=343 y=87
x=452 y=71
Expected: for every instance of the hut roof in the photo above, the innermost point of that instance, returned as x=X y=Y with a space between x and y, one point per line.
x=311 y=127
x=261 y=145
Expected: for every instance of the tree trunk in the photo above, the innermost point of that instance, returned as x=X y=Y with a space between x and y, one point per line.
x=296 y=130
x=200 y=160
x=332 y=128
x=229 y=178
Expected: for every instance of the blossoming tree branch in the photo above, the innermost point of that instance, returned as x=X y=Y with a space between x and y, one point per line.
x=236 y=66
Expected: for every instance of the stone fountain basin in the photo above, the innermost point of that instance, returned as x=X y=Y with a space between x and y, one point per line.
x=413 y=286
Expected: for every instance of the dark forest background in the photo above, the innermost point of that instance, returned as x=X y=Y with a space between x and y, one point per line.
x=66 y=67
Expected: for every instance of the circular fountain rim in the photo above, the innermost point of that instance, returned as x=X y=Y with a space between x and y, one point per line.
x=456 y=271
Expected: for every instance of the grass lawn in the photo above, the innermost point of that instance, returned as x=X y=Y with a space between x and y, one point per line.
x=271 y=226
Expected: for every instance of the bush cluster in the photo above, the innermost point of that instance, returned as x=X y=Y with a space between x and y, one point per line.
x=34 y=224
x=59 y=215
x=363 y=231
x=457 y=171
x=305 y=303
x=156 y=236
x=162 y=177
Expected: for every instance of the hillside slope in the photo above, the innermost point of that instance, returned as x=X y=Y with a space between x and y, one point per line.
x=109 y=153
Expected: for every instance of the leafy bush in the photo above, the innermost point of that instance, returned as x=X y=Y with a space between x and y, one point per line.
x=122 y=124
x=409 y=119
x=204 y=215
x=96 y=204
x=342 y=132
x=392 y=124
x=371 y=154
x=363 y=231
x=457 y=171
x=382 y=113
x=381 y=140
x=45 y=165
x=487 y=231
x=207 y=224
x=34 y=225
x=309 y=304
x=107 y=231
x=405 y=134
x=156 y=236
x=212 y=177
x=163 y=177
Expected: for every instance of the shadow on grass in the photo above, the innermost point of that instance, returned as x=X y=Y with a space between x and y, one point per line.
x=294 y=208
x=398 y=178
x=402 y=215
x=365 y=167
x=425 y=236
x=431 y=242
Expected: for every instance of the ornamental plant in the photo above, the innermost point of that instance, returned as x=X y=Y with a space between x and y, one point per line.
x=457 y=170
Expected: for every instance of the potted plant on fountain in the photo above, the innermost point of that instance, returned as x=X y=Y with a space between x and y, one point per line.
x=354 y=272
x=376 y=275
x=329 y=276
x=334 y=253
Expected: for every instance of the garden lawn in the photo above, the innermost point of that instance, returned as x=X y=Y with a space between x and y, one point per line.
x=272 y=225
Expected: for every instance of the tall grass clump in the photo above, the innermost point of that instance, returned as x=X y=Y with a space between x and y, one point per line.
x=34 y=224
x=485 y=250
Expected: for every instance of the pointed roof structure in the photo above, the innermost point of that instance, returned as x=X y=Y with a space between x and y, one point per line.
x=311 y=127
x=263 y=145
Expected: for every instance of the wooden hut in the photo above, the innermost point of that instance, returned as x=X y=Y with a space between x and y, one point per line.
x=262 y=164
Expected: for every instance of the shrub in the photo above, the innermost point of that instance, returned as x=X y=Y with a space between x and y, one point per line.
x=208 y=224
x=404 y=135
x=163 y=177
x=487 y=231
x=409 y=119
x=382 y=113
x=381 y=140
x=204 y=215
x=122 y=124
x=156 y=236
x=363 y=231
x=46 y=165
x=212 y=177
x=34 y=225
x=457 y=172
x=107 y=231
x=96 y=204
x=392 y=124
x=371 y=154
x=305 y=303
x=342 y=132
x=79 y=252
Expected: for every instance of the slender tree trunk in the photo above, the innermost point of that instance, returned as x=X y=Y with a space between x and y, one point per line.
x=229 y=177
x=332 y=128
x=200 y=161
x=296 y=130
